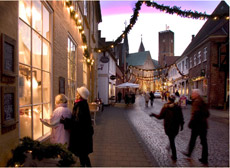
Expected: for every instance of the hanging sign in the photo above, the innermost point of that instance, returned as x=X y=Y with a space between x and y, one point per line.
x=104 y=59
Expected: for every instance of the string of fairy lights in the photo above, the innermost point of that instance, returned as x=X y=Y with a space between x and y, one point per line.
x=167 y=9
x=163 y=8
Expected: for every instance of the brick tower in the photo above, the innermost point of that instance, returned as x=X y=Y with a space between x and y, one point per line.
x=166 y=46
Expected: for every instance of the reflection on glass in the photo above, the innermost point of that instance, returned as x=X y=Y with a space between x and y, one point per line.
x=46 y=56
x=24 y=43
x=46 y=114
x=46 y=87
x=36 y=46
x=24 y=89
x=46 y=21
x=25 y=11
x=25 y=121
x=37 y=125
x=36 y=16
x=37 y=89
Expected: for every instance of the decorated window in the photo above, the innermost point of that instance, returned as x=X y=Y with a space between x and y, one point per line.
x=71 y=71
x=34 y=68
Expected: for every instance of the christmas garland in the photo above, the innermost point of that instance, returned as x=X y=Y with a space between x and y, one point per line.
x=40 y=151
x=167 y=9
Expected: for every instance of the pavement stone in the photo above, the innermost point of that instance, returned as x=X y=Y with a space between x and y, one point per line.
x=115 y=143
x=125 y=136
x=152 y=133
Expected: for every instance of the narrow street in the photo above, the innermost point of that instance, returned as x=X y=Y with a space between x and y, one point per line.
x=151 y=132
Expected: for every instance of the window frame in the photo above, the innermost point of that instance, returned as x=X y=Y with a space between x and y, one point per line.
x=31 y=67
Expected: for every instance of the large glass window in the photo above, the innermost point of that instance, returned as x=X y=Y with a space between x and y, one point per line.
x=34 y=68
x=71 y=71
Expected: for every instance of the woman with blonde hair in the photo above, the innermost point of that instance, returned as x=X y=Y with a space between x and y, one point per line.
x=58 y=133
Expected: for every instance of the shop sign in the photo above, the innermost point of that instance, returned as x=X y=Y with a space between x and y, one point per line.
x=104 y=59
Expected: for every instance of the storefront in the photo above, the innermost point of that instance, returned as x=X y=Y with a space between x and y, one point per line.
x=34 y=67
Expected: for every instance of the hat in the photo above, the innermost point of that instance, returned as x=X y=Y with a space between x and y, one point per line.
x=84 y=92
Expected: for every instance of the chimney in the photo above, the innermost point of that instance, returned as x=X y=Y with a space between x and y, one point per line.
x=193 y=37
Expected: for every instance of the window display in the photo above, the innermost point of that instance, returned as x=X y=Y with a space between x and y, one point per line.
x=35 y=78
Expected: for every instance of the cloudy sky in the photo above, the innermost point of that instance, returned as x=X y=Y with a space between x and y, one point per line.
x=151 y=21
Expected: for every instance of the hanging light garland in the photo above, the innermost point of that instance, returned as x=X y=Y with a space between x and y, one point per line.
x=163 y=8
x=75 y=16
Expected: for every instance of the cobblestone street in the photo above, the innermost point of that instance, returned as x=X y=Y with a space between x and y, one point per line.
x=151 y=132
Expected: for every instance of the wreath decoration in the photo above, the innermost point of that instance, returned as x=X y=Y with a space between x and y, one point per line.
x=39 y=151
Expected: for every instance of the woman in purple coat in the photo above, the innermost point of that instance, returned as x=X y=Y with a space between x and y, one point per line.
x=81 y=129
x=58 y=134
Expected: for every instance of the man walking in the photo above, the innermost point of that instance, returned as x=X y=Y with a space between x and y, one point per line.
x=173 y=121
x=199 y=125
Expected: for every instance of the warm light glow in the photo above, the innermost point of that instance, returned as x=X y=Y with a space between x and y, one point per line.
x=84 y=47
x=215 y=18
x=76 y=15
x=35 y=83
x=79 y=21
x=71 y=8
x=227 y=17
x=88 y=60
x=79 y=27
x=112 y=46
x=99 y=51
x=82 y=32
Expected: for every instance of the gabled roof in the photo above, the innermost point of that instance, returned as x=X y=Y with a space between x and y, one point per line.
x=210 y=27
x=156 y=64
x=137 y=59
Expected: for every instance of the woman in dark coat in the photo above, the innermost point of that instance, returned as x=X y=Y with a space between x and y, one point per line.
x=81 y=129
x=173 y=120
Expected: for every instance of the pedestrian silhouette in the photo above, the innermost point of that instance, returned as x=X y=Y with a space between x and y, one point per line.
x=146 y=96
x=151 y=98
x=80 y=126
x=199 y=125
x=173 y=121
x=119 y=95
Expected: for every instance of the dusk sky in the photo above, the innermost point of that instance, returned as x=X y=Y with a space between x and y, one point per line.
x=151 y=21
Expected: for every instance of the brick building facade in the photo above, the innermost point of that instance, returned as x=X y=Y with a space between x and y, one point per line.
x=49 y=59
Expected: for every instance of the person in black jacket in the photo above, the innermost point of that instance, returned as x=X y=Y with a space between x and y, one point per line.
x=151 y=98
x=173 y=120
x=81 y=129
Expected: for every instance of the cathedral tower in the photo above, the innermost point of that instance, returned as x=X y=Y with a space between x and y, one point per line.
x=166 y=46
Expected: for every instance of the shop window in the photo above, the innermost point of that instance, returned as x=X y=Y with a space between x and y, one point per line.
x=34 y=68
x=71 y=71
